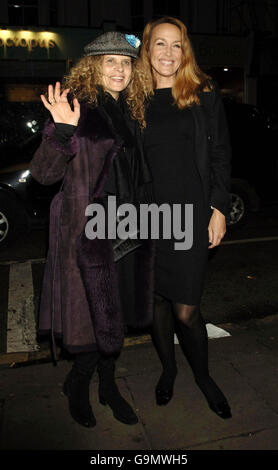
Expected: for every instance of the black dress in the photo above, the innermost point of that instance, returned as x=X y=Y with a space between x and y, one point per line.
x=169 y=147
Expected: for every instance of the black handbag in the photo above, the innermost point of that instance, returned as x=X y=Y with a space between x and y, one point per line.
x=122 y=248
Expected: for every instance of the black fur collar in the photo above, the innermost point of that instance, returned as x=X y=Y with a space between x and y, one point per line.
x=105 y=121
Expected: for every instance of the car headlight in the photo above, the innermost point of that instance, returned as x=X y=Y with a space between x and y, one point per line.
x=24 y=176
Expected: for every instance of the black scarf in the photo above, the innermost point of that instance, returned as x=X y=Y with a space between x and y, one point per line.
x=123 y=176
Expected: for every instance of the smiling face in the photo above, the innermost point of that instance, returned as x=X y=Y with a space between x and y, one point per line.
x=165 y=53
x=116 y=73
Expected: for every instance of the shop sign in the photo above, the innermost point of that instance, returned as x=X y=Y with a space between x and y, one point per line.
x=28 y=40
x=37 y=44
x=24 y=42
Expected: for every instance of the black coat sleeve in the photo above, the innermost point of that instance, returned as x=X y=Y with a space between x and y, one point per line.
x=219 y=153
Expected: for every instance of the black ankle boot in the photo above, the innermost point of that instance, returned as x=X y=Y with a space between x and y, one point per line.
x=76 y=388
x=165 y=387
x=110 y=395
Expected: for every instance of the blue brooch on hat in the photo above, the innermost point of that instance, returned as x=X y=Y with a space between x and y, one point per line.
x=133 y=40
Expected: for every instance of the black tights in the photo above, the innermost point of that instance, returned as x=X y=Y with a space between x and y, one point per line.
x=190 y=328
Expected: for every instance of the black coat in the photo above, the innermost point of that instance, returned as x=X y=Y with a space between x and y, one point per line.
x=212 y=149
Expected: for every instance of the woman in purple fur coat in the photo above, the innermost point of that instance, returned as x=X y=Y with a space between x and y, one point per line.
x=93 y=143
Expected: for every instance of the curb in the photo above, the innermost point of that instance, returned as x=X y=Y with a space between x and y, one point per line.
x=32 y=357
x=17 y=358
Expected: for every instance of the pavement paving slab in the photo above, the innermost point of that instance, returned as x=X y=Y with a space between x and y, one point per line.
x=265 y=439
x=34 y=412
x=36 y=415
x=188 y=421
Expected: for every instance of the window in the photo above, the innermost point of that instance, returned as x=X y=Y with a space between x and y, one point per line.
x=137 y=14
x=23 y=12
x=166 y=7
x=53 y=13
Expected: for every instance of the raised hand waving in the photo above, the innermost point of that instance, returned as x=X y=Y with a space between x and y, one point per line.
x=59 y=107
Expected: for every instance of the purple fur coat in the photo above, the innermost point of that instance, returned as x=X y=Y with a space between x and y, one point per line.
x=86 y=318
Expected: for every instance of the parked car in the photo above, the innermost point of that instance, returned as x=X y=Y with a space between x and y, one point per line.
x=24 y=203
x=254 y=159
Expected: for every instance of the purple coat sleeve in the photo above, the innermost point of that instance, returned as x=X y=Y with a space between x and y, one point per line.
x=50 y=160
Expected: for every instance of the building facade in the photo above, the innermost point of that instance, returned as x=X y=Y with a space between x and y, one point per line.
x=235 y=42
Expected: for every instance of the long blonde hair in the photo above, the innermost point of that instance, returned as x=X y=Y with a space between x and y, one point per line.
x=85 y=77
x=190 y=79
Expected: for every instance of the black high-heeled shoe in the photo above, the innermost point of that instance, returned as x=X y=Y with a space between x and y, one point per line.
x=163 y=396
x=222 y=409
x=164 y=393
x=215 y=397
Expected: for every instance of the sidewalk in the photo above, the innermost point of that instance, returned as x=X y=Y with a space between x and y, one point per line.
x=34 y=412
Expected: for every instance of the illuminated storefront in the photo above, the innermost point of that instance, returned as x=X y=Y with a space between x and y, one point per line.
x=31 y=58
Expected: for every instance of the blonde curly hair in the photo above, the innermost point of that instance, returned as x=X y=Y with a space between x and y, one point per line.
x=85 y=77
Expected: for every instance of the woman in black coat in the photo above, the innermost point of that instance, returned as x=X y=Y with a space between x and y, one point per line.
x=93 y=144
x=187 y=147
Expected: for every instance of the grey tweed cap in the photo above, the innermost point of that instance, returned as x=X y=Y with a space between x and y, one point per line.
x=114 y=42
